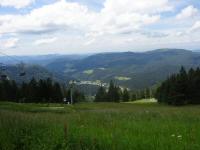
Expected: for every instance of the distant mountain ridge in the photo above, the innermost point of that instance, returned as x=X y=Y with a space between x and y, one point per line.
x=38 y=72
x=38 y=59
x=129 y=69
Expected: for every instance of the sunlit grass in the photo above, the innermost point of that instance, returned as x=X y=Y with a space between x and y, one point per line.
x=88 y=72
x=143 y=101
x=122 y=78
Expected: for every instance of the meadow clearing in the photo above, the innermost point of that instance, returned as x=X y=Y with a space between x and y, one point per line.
x=99 y=126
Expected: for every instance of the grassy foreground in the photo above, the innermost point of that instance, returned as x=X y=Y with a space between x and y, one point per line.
x=103 y=126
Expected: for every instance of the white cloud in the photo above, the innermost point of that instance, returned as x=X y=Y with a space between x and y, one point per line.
x=9 y=43
x=116 y=17
x=89 y=42
x=16 y=3
x=196 y=26
x=122 y=17
x=119 y=24
x=45 y=41
x=188 y=12
x=45 y=19
x=137 y=6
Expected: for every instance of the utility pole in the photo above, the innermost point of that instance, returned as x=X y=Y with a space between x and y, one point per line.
x=71 y=90
x=71 y=94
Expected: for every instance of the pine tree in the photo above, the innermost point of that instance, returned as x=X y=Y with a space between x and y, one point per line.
x=134 y=96
x=48 y=94
x=113 y=94
x=182 y=88
x=101 y=95
x=125 y=95
x=110 y=94
x=32 y=91
x=57 y=93
x=13 y=91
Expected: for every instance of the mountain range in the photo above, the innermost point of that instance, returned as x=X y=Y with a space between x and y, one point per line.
x=129 y=69
x=135 y=70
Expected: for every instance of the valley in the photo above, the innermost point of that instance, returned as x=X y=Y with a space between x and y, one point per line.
x=128 y=69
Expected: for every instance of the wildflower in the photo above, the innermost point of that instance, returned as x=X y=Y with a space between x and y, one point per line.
x=179 y=136
x=173 y=135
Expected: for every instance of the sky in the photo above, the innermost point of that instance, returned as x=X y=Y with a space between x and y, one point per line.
x=32 y=27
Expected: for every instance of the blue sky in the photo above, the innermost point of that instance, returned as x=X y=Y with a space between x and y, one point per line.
x=31 y=27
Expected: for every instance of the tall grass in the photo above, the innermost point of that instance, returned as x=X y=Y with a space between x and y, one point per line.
x=100 y=126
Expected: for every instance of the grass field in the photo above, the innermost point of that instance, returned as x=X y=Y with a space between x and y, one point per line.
x=102 y=126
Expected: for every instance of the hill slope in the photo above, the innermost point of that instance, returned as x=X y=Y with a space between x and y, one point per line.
x=133 y=70
x=36 y=71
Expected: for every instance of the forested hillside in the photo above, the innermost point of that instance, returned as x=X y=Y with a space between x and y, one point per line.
x=32 y=71
x=129 y=69
x=182 y=88
x=133 y=70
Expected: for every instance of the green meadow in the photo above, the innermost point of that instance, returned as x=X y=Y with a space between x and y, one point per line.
x=99 y=126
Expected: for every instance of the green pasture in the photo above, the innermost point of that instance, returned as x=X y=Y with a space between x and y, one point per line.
x=99 y=126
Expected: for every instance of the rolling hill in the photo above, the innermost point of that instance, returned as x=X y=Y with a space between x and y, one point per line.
x=130 y=69
x=32 y=71
x=135 y=70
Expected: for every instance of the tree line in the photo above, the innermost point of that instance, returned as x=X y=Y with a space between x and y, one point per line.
x=116 y=94
x=112 y=95
x=146 y=93
x=181 y=88
x=48 y=91
x=37 y=91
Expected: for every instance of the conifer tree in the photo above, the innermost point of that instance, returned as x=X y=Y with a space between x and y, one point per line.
x=57 y=93
x=113 y=94
x=182 y=88
x=125 y=95
x=101 y=95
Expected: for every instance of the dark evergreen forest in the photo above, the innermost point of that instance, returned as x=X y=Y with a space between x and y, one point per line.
x=180 y=89
x=37 y=91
